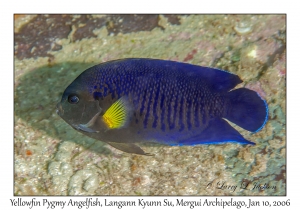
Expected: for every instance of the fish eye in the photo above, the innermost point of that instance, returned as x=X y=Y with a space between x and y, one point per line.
x=73 y=99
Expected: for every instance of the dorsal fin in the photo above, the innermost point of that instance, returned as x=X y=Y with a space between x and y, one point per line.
x=217 y=79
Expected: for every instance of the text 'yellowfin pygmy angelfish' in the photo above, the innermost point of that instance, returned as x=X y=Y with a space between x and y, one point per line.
x=134 y=100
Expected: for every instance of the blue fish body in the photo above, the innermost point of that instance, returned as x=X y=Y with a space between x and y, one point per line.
x=133 y=100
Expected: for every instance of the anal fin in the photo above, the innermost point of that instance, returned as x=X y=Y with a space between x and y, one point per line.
x=129 y=148
x=219 y=131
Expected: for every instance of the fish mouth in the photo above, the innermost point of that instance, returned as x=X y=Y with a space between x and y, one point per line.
x=77 y=124
x=59 y=109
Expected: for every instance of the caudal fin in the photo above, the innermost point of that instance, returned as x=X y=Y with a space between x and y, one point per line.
x=247 y=109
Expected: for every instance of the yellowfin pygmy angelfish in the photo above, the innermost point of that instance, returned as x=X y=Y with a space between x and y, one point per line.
x=133 y=100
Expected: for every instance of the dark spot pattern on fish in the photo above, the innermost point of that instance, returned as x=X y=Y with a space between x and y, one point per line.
x=149 y=101
x=163 y=111
x=156 y=107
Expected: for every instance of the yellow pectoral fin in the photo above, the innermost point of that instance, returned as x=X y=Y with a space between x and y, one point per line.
x=118 y=114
